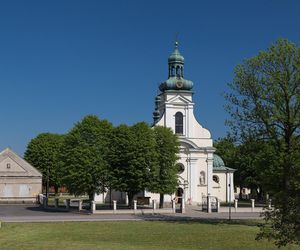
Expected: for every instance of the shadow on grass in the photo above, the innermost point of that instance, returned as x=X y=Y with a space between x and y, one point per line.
x=192 y=220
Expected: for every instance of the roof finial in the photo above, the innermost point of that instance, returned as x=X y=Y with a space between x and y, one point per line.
x=176 y=40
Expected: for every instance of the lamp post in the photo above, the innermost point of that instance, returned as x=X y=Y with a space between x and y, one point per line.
x=229 y=186
x=47 y=182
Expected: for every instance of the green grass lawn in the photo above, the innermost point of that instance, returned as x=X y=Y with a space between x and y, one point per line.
x=131 y=235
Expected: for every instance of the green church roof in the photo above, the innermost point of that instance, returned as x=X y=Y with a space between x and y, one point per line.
x=176 y=57
x=176 y=79
x=219 y=165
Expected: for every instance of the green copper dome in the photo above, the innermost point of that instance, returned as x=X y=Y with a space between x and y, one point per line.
x=176 y=80
x=176 y=83
x=176 y=57
x=219 y=165
x=218 y=162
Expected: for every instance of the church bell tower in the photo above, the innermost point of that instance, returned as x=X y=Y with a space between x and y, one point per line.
x=174 y=108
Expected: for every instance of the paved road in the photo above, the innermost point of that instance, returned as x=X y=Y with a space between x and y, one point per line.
x=33 y=213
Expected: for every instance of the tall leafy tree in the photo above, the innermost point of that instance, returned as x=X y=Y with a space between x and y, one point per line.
x=249 y=158
x=85 y=156
x=43 y=152
x=165 y=178
x=132 y=159
x=264 y=103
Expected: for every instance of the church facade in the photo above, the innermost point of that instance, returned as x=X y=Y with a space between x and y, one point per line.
x=200 y=171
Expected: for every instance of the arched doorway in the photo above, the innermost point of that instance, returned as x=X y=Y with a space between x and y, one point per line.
x=179 y=194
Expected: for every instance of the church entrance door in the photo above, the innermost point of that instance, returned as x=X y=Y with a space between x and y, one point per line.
x=179 y=194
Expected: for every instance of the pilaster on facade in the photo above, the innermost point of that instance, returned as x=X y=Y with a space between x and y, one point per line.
x=193 y=179
x=209 y=162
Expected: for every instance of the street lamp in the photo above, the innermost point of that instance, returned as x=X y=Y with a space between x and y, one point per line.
x=47 y=182
x=229 y=186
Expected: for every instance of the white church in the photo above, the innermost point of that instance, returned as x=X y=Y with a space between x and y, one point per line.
x=201 y=173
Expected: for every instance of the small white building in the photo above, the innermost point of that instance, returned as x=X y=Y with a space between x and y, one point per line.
x=19 y=181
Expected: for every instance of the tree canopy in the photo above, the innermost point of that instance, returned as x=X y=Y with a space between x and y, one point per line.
x=43 y=153
x=165 y=180
x=249 y=158
x=85 y=156
x=264 y=104
x=132 y=159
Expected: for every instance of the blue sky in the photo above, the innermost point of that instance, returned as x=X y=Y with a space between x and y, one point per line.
x=61 y=60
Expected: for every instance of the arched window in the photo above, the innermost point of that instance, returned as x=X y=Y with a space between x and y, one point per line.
x=173 y=71
x=180 y=168
x=179 y=123
x=202 y=178
x=178 y=71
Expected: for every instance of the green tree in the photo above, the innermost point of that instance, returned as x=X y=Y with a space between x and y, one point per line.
x=43 y=152
x=165 y=178
x=132 y=158
x=249 y=158
x=85 y=156
x=264 y=103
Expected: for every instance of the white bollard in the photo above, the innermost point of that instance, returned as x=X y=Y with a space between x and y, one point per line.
x=235 y=204
x=56 y=200
x=135 y=206
x=93 y=206
x=208 y=204
x=182 y=204
x=41 y=197
x=252 y=205
x=115 y=206
x=218 y=206
x=79 y=205
x=270 y=204
x=174 y=206
x=154 y=205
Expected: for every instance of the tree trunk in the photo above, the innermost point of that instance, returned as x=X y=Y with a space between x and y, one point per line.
x=56 y=190
x=260 y=194
x=241 y=193
x=91 y=198
x=161 y=200
x=130 y=198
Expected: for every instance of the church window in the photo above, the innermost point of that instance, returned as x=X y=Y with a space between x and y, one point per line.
x=173 y=71
x=202 y=178
x=179 y=123
x=178 y=71
x=216 y=179
x=8 y=165
x=180 y=168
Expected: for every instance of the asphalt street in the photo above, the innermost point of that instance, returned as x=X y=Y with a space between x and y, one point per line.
x=34 y=213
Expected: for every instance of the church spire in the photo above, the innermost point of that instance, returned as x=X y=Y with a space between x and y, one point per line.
x=176 y=79
x=176 y=62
